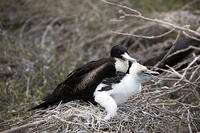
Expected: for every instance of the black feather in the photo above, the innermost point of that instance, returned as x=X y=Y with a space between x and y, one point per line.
x=114 y=80
x=77 y=86
x=106 y=88
x=49 y=100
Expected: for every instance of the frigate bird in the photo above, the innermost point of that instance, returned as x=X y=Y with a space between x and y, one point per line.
x=117 y=90
x=82 y=82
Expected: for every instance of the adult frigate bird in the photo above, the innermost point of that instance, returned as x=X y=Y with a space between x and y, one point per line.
x=117 y=90
x=82 y=82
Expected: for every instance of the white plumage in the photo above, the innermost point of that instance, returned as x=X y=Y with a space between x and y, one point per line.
x=121 y=65
x=119 y=93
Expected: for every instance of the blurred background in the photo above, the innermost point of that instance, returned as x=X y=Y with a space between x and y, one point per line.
x=42 y=41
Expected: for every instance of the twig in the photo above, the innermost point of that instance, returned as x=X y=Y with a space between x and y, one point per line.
x=195 y=59
x=193 y=73
x=170 y=50
x=25 y=24
x=28 y=85
x=139 y=16
x=183 y=50
x=150 y=115
x=195 y=38
x=188 y=119
x=175 y=72
x=167 y=93
x=165 y=23
x=47 y=30
x=124 y=7
x=142 y=36
x=24 y=127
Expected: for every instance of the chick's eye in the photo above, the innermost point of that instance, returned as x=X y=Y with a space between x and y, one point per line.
x=143 y=71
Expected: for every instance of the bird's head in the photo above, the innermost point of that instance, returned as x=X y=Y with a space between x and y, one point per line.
x=121 y=52
x=141 y=72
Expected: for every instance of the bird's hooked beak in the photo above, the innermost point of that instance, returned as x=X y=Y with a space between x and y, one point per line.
x=127 y=57
x=151 y=73
x=148 y=75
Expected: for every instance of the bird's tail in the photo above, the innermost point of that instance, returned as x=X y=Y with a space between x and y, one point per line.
x=49 y=100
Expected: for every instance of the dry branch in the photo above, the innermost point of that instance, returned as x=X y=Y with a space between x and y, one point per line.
x=142 y=36
x=160 y=22
x=169 y=51
x=24 y=127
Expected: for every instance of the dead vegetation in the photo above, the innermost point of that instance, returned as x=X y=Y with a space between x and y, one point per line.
x=39 y=47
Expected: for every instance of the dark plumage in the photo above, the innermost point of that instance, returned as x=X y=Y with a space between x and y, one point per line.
x=182 y=46
x=82 y=82
x=113 y=80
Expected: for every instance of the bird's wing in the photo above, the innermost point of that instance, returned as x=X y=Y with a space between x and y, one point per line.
x=114 y=80
x=82 y=70
x=106 y=88
x=80 y=81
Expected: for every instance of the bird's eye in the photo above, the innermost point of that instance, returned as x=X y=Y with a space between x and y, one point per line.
x=143 y=71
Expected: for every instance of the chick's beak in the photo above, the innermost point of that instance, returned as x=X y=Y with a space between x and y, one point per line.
x=151 y=73
x=127 y=57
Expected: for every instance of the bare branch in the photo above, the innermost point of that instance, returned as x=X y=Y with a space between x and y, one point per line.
x=142 y=36
x=169 y=51
x=195 y=59
x=23 y=127
x=124 y=7
x=160 y=22
x=188 y=119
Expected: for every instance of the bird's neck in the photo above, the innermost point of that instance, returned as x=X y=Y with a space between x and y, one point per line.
x=131 y=83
